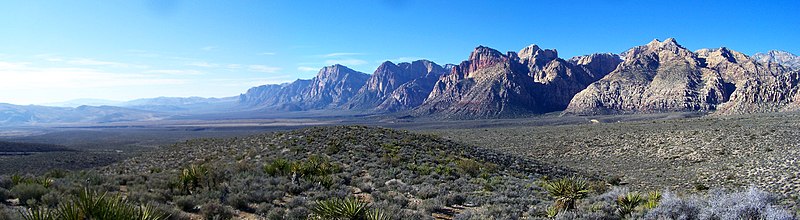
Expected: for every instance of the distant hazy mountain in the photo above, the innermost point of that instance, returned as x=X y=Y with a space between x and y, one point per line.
x=181 y=104
x=781 y=57
x=332 y=88
x=79 y=102
x=11 y=115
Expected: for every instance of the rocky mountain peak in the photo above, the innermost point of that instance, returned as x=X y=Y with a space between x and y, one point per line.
x=781 y=57
x=534 y=54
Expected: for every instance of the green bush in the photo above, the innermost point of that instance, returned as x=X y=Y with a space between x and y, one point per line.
x=216 y=211
x=28 y=191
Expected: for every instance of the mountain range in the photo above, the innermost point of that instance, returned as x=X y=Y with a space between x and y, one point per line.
x=660 y=76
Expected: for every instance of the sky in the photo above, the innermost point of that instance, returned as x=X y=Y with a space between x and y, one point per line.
x=59 y=50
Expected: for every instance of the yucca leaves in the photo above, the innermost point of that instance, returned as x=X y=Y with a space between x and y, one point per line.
x=653 y=198
x=349 y=208
x=376 y=214
x=37 y=214
x=567 y=191
x=91 y=205
x=627 y=203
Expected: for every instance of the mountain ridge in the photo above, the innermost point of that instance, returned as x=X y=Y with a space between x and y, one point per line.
x=659 y=76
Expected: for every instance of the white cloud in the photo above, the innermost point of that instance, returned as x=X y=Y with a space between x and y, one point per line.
x=94 y=62
x=267 y=53
x=176 y=72
x=203 y=64
x=87 y=61
x=402 y=60
x=21 y=76
x=341 y=54
x=234 y=66
x=346 y=62
x=263 y=68
x=306 y=69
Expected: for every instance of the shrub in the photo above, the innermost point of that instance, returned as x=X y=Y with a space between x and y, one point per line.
x=469 y=166
x=750 y=204
x=186 y=203
x=5 y=194
x=673 y=207
x=28 y=191
x=215 y=210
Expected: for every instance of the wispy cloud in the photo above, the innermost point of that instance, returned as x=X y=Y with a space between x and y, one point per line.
x=87 y=61
x=267 y=53
x=401 y=60
x=346 y=62
x=21 y=76
x=202 y=64
x=176 y=72
x=94 y=62
x=150 y=54
x=263 y=68
x=306 y=69
x=236 y=67
x=341 y=54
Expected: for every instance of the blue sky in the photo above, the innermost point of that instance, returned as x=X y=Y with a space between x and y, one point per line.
x=112 y=49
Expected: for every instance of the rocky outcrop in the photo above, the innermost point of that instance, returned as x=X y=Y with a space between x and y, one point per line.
x=778 y=56
x=493 y=84
x=661 y=76
x=333 y=87
x=382 y=84
x=411 y=94
x=666 y=77
x=287 y=96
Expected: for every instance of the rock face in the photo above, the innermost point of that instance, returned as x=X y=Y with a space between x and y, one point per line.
x=666 y=77
x=412 y=93
x=332 y=87
x=492 y=84
x=781 y=57
x=661 y=76
x=382 y=84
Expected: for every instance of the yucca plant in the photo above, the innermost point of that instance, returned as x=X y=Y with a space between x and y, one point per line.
x=552 y=211
x=566 y=191
x=627 y=203
x=69 y=211
x=278 y=167
x=653 y=198
x=191 y=176
x=336 y=208
x=38 y=213
x=17 y=179
x=376 y=214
